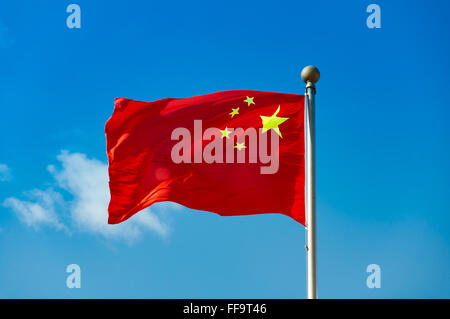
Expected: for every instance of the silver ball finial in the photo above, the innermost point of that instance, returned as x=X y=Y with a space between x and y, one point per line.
x=310 y=74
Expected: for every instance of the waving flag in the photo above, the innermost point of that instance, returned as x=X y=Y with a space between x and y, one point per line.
x=231 y=153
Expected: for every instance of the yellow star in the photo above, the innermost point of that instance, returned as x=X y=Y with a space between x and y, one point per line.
x=272 y=122
x=249 y=100
x=234 y=112
x=240 y=146
x=225 y=132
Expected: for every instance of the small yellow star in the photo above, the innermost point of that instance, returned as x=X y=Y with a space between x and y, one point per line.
x=249 y=100
x=225 y=132
x=240 y=146
x=234 y=112
x=272 y=122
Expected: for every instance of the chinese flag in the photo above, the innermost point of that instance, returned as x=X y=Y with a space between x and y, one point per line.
x=231 y=153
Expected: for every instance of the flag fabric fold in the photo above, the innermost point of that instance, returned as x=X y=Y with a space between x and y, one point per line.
x=232 y=153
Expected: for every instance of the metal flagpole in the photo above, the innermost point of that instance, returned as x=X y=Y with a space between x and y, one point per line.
x=310 y=75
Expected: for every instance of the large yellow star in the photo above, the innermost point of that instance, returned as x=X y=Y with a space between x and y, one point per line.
x=272 y=122
x=249 y=100
x=234 y=112
x=225 y=132
x=240 y=146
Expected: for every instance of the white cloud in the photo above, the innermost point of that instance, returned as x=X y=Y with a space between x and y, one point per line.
x=5 y=173
x=86 y=180
x=40 y=210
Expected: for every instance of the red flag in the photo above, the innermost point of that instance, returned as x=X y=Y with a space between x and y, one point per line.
x=231 y=153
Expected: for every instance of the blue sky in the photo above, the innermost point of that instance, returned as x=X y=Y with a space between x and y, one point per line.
x=382 y=147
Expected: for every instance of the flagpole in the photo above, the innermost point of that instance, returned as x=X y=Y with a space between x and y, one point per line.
x=310 y=75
